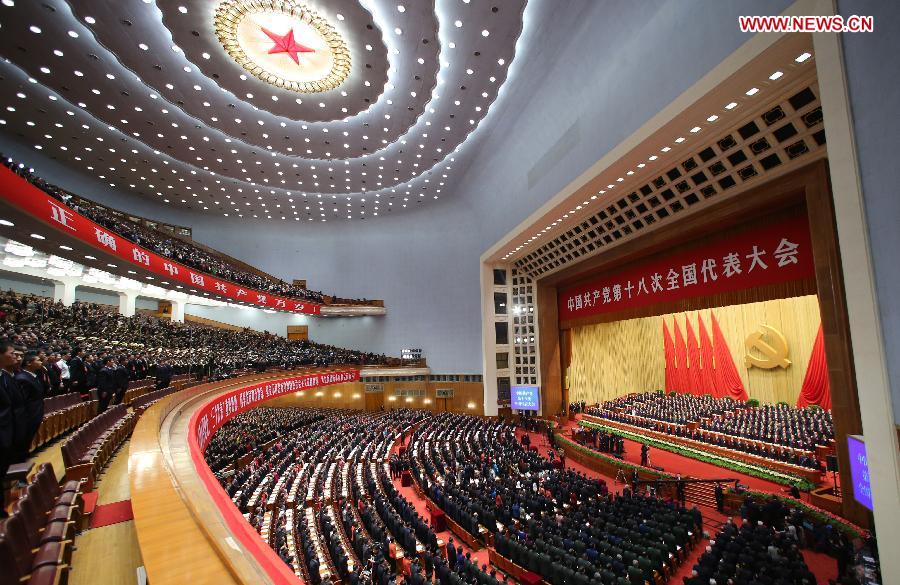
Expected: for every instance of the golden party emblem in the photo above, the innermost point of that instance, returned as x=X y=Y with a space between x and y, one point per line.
x=767 y=349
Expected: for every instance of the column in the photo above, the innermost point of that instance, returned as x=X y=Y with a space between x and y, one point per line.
x=64 y=290
x=488 y=341
x=126 y=303
x=178 y=310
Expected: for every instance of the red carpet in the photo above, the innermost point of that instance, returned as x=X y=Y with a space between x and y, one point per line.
x=114 y=513
x=674 y=463
x=90 y=502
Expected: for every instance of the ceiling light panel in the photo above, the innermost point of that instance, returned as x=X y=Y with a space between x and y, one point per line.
x=218 y=141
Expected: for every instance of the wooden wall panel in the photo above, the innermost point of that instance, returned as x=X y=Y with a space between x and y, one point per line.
x=612 y=359
x=468 y=397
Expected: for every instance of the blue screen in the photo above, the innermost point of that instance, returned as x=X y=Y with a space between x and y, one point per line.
x=859 y=471
x=525 y=397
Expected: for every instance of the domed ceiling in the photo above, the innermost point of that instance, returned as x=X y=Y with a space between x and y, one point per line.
x=278 y=109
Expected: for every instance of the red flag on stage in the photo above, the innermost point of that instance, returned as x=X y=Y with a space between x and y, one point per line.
x=816 y=387
x=695 y=373
x=682 y=377
x=706 y=359
x=727 y=379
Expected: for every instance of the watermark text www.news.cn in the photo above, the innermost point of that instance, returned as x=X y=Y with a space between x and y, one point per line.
x=808 y=24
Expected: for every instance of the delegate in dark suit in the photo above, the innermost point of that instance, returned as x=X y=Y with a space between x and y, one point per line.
x=33 y=392
x=106 y=385
x=122 y=379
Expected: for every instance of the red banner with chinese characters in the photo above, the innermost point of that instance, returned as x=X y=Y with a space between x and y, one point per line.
x=779 y=252
x=206 y=421
x=25 y=196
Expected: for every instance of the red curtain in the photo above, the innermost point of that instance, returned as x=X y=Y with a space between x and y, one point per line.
x=727 y=378
x=669 y=349
x=706 y=359
x=816 y=386
x=695 y=372
x=682 y=378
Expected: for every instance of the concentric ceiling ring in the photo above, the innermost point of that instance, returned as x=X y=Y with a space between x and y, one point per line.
x=238 y=24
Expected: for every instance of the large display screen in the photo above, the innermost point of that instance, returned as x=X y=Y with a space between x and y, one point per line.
x=859 y=470
x=525 y=397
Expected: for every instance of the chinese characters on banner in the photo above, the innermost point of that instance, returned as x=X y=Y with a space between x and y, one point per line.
x=212 y=416
x=25 y=196
x=776 y=253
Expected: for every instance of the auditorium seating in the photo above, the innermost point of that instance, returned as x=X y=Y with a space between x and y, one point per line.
x=755 y=552
x=559 y=526
x=61 y=414
x=776 y=432
x=36 y=540
x=144 y=401
x=321 y=495
x=90 y=447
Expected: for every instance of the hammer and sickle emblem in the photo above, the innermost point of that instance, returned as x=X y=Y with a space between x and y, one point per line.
x=772 y=346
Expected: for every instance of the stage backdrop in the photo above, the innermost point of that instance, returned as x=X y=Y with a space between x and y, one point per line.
x=617 y=358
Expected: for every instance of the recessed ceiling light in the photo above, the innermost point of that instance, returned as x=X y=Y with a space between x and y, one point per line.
x=182 y=9
x=65 y=248
x=485 y=32
x=6 y=222
x=401 y=8
x=731 y=106
x=112 y=265
x=776 y=75
x=143 y=47
x=398 y=31
x=89 y=258
x=712 y=118
x=34 y=29
x=501 y=62
x=680 y=139
x=9 y=3
x=89 y=19
x=73 y=34
x=457 y=24
x=695 y=129
x=753 y=91
x=38 y=237
x=803 y=57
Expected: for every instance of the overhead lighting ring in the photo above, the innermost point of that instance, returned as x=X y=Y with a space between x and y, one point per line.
x=231 y=23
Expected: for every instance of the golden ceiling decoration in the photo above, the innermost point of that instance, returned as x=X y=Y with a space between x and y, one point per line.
x=284 y=43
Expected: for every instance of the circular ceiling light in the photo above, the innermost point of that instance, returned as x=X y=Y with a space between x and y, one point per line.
x=284 y=43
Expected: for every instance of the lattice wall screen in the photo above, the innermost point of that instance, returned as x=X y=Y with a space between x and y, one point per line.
x=789 y=131
x=524 y=330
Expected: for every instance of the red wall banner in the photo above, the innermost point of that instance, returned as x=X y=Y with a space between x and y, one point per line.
x=213 y=415
x=25 y=196
x=208 y=419
x=779 y=252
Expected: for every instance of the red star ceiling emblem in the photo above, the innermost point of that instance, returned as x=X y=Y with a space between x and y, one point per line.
x=287 y=44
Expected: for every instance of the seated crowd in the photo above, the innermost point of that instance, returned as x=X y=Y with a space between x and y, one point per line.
x=779 y=432
x=81 y=336
x=171 y=247
x=557 y=523
x=96 y=354
x=321 y=496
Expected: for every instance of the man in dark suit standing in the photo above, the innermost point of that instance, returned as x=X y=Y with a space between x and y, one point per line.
x=163 y=374
x=32 y=390
x=12 y=415
x=106 y=384
x=122 y=379
x=78 y=372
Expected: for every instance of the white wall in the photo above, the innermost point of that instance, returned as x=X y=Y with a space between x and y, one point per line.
x=25 y=284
